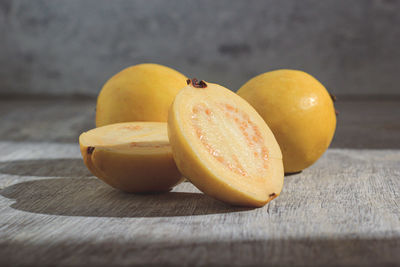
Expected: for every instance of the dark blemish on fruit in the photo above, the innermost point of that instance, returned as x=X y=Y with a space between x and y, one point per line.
x=90 y=150
x=196 y=83
x=336 y=112
x=333 y=97
x=202 y=84
x=272 y=195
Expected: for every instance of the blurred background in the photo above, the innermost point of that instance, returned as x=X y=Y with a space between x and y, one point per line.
x=68 y=49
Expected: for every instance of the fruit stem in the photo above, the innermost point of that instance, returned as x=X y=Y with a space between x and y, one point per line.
x=196 y=83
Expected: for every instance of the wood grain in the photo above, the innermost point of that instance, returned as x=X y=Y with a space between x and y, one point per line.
x=364 y=123
x=343 y=211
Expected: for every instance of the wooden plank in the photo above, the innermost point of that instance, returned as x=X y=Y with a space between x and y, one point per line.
x=361 y=124
x=342 y=211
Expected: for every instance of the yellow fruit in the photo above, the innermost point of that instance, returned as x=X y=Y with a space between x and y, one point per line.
x=299 y=111
x=139 y=93
x=223 y=146
x=134 y=156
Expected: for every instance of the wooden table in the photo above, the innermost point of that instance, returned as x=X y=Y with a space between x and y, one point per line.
x=343 y=211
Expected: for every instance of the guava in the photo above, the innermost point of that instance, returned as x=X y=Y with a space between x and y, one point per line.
x=142 y=92
x=134 y=157
x=299 y=111
x=221 y=145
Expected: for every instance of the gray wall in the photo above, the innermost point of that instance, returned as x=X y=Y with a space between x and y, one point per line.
x=70 y=47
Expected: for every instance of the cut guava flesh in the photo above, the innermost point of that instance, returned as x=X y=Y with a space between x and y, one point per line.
x=224 y=147
x=133 y=157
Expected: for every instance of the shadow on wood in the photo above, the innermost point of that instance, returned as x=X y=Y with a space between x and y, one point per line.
x=64 y=167
x=292 y=173
x=350 y=251
x=91 y=197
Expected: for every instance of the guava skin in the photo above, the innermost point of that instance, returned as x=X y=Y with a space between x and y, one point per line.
x=142 y=92
x=299 y=111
